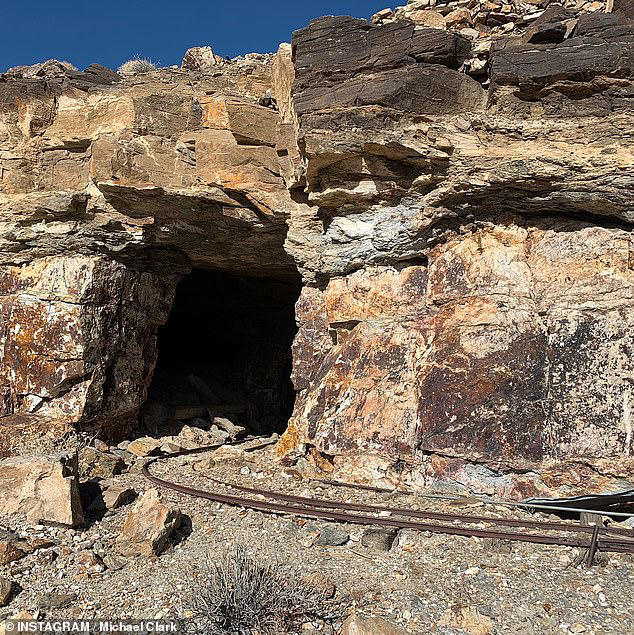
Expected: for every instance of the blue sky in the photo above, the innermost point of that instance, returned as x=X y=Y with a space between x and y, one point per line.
x=111 y=32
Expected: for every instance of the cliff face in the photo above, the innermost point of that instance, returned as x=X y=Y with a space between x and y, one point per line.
x=109 y=193
x=464 y=240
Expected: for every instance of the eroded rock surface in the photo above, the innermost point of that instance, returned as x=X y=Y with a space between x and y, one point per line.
x=467 y=317
x=42 y=488
x=109 y=194
x=148 y=526
x=459 y=207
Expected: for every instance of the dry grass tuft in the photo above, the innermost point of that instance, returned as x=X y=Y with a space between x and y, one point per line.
x=136 y=67
x=241 y=595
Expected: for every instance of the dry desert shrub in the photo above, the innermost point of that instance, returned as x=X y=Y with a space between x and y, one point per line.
x=242 y=595
x=136 y=67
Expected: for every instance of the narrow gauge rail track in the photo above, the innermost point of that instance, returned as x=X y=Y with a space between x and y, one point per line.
x=268 y=501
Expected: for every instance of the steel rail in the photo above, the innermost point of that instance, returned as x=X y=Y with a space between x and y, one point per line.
x=478 y=499
x=311 y=510
x=415 y=513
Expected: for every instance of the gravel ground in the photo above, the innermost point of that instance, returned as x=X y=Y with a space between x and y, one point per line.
x=424 y=583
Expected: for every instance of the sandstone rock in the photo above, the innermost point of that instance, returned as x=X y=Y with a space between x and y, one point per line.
x=148 y=526
x=112 y=495
x=10 y=551
x=428 y=18
x=458 y=17
x=95 y=463
x=234 y=431
x=169 y=446
x=145 y=446
x=117 y=495
x=382 y=15
x=6 y=587
x=43 y=488
x=468 y=619
x=357 y=625
x=200 y=58
x=190 y=437
x=113 y=563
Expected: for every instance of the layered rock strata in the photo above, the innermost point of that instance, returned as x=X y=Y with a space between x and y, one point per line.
x=464 y=241
x=469 y=251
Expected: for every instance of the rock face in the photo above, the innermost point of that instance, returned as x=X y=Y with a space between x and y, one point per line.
x=459 y=207
x=467 y=316
x=108 y=196
x=78 y=336
x=43 y=488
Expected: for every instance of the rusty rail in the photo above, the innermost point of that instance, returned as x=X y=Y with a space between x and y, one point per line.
x=268 y=501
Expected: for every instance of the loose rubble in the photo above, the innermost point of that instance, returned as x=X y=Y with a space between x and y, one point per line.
x=134 y=562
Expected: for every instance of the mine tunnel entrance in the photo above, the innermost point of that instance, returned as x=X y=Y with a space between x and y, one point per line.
x=226 y=351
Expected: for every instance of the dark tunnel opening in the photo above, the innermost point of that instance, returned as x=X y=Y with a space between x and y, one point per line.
x=226 y=351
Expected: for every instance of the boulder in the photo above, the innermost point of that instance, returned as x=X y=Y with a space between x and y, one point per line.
x=191 y=437
x=429 y=18
x=117 y=495
x=42 y=488
x=234 y=431
x=459 y=17
x=112 y=495
x=148 y=526
x=200 y=59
